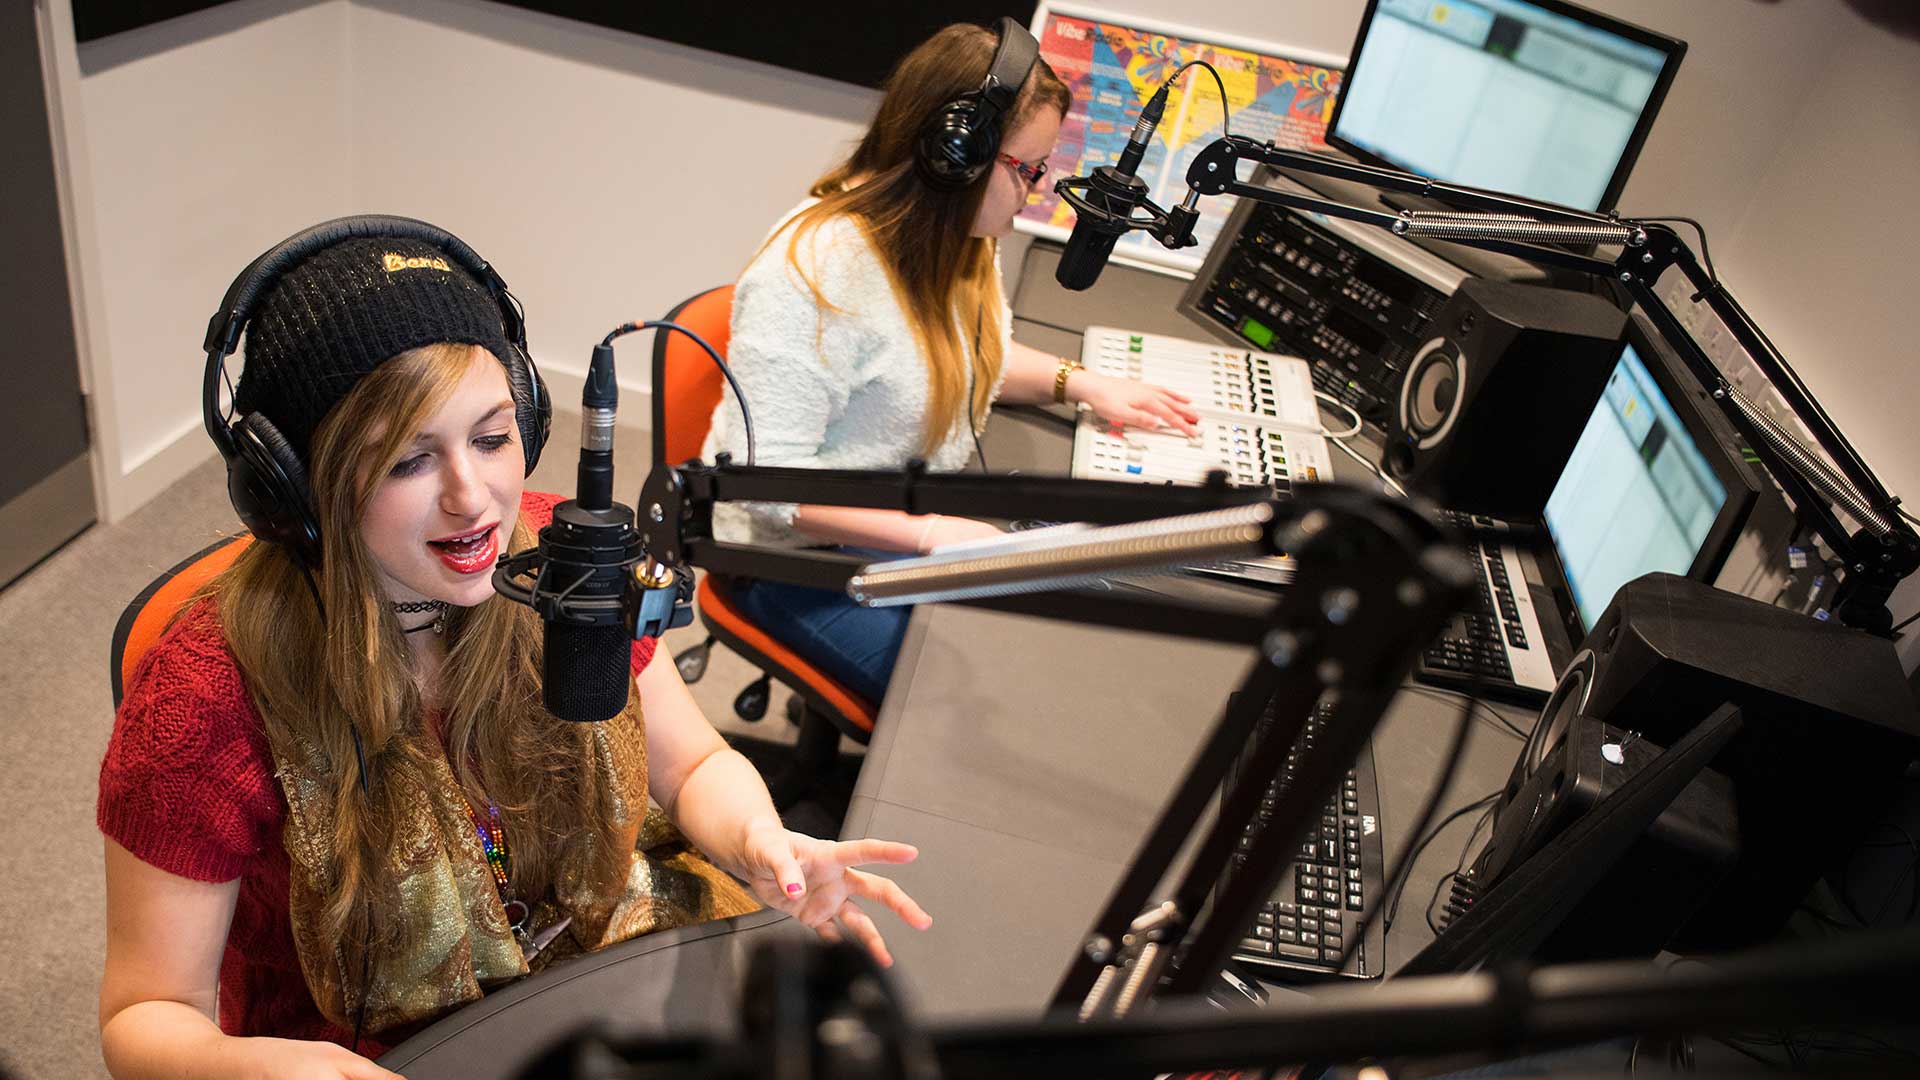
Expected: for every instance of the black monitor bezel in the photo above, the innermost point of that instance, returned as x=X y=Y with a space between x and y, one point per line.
x=1718 y=443
x=1675 y=49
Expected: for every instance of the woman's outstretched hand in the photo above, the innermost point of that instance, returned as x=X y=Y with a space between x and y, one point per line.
x=815 y=882
x=1132 y=404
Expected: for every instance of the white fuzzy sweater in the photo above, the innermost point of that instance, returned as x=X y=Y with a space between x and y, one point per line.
x=829 y=389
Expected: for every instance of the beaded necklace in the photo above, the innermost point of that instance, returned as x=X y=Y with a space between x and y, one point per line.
x=493 y=841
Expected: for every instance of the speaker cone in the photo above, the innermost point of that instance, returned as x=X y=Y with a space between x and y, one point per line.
x=1569 y=700
x=1430 y=396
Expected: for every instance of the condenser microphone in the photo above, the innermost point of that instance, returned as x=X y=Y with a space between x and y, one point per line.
x=583 y=583
x=1112 y=193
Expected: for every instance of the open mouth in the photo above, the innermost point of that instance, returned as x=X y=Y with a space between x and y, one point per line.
x=469 y=552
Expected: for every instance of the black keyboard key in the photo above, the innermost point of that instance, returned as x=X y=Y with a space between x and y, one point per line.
x=1298 y=952
x=1256 y=946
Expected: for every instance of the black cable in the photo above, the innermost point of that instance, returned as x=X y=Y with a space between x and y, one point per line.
x=1217 y=81
x=973 y=426
x=1449 y=764
x=1451 y=876
x=1713 y=276
x=1458 y=872
x=1845 y=891
x=1393 y=904
x=746 y=416
x=1506 y=725
x=1909 y=620
x=1731 y=1044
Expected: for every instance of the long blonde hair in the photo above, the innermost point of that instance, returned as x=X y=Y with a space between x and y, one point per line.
x=317 y=681
x=937 y=269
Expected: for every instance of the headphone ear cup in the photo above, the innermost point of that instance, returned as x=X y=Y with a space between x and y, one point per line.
x=532 y=408
x=268 y=488
x=955 y=148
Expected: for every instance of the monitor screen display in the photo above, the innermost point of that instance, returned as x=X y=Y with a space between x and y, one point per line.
x=1504 y=94
x=1638 y=494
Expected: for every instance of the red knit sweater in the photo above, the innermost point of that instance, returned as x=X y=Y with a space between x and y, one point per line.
x=187 y=785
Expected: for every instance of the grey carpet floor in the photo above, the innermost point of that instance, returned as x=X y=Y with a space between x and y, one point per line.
x=56 y=624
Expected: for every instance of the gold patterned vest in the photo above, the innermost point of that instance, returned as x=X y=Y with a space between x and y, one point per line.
x=456 y=940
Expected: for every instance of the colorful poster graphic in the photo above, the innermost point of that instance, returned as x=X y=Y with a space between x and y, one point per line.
x=1112 y=68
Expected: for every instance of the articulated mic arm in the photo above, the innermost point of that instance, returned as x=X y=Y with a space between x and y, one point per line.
x=1882 y=548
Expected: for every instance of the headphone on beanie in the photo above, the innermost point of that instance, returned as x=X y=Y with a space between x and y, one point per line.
x=266 y=476
x=961 y=138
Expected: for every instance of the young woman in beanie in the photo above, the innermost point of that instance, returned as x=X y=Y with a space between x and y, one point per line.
x=871 y=329
x=334 y=807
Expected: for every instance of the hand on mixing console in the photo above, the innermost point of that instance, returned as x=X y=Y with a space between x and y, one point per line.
x=1132 y=404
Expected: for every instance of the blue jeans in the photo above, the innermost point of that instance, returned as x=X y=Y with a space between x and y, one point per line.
x=855 y=646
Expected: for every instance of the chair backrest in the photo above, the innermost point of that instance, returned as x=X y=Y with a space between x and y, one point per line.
x=147 y=616
x=686 y=385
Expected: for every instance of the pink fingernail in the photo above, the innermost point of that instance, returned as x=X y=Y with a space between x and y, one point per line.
x=793 y=889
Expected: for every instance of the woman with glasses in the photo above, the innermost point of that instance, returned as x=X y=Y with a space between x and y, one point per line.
x=871 y=329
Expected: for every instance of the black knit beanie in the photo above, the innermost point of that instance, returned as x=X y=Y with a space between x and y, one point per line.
x=332 y=319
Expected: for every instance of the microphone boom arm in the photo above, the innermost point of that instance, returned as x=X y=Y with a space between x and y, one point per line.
x=1882 y=551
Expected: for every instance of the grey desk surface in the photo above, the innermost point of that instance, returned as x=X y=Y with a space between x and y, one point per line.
x=1027 y=758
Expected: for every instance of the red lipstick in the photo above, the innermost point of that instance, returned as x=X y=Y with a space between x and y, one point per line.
x=470 y=552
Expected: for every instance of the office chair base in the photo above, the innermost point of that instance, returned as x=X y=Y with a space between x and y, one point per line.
x=809 y=777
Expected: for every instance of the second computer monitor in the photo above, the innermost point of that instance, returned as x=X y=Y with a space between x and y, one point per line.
x=1532 y=97
x=1654 y=483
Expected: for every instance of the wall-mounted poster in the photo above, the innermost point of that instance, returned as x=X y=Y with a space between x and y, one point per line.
x=1113 y=64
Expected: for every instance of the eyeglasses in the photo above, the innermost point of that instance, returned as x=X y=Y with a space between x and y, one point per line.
x=1030 y=173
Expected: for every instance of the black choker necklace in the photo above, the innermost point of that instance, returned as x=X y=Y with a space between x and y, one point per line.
x=437 y=624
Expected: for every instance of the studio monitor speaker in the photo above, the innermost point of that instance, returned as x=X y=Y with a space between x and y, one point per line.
x=1830 y=726
x=1492 y=405
x=1661 y=879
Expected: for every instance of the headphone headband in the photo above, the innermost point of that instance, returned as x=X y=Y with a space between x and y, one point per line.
x=959 y=141
x=265 y=476
x=1013 y=59
x=236 y=308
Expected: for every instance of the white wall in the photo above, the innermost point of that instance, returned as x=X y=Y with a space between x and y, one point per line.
x=188 y=147
x=610 y=175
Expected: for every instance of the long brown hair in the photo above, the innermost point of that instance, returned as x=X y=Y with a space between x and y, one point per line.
x=938 y=270
x=318 y=680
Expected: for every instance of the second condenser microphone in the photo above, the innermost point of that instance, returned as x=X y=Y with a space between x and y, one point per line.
x=1113 y=193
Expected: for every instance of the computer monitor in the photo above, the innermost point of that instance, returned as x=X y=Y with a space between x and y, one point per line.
x=1655 y=483
x=1532 y=97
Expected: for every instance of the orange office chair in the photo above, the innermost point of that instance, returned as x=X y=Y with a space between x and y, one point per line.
x=686 y=388
x=149 y=613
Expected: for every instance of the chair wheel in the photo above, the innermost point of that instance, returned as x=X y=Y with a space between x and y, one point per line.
x=751 y=704
x=693 y=662
x=796 y=710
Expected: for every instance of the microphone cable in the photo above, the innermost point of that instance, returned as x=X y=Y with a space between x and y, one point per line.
x=746 y=415
x=973 y=426
x=1217 y=82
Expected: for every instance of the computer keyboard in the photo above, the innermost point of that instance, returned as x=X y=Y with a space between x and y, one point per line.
x=1496 y=643
x=1314 y=914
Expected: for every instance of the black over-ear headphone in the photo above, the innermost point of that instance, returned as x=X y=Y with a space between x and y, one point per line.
x=960 y=140
x=266 y=480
